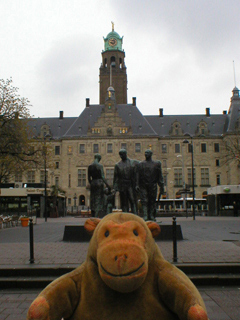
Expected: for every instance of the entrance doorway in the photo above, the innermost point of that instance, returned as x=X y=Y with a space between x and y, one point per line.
x=82 y=200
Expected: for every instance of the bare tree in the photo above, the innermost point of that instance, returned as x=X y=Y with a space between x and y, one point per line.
x=231 y=148
x=17 y=151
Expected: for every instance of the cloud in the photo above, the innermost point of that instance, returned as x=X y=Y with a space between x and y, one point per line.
x=67 y=67
x=184 y=49
x=178 y=52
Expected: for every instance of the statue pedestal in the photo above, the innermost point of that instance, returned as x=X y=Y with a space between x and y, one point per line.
x=77 y=233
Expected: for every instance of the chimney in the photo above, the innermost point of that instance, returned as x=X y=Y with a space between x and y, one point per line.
x=224 y=112
x=61 y=115
x=161 y=112
x=208 y=112
x=87 y=102
x=134 y=101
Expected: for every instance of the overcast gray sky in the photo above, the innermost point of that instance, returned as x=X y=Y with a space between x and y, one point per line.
x=179 y=53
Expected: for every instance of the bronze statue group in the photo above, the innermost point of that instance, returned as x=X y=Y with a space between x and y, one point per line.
x=135 y=181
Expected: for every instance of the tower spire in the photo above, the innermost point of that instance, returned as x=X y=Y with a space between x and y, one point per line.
x=113 y=71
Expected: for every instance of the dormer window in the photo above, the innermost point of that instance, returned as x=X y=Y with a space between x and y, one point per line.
x=176 y=129
x=123 y=130
x=45 y=130
x=96 y=130
x=202 y=128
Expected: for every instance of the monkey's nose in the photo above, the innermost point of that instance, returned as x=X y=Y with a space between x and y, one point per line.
x=121 y=257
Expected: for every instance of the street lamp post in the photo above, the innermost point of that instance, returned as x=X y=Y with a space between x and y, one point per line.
x=183 y=179
x=45 y=176
x=193 y=187
x=75 y=202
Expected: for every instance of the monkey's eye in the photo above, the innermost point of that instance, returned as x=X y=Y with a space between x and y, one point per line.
x=106 y=233
x=135 y=232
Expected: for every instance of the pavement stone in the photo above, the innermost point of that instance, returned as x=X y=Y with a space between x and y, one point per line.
x=206 y=240
x=221 y=303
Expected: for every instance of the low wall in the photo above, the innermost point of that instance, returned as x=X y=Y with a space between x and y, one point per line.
x=77 y=233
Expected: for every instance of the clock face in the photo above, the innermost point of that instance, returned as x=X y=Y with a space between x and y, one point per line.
x=112 y=42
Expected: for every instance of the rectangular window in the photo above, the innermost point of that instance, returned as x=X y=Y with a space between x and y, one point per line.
x=81 y=177
x=42 y=176
x=164 y=148
x=203 y=147
x=217 y=163
x=137 y=147
x=109 y=176
x=57 y=165
x=124 y=146
x=18 y=177
x=177 y=148
x=216 y=147
x=205 y=176
x=178 y=177
x=69 y=180
x=96 y=130
x=31 y=176
x=218 y=179
x=56 y=181
x=189 y=148
x=69 y=201
x=82 y=148
x=109 y=148
x=189 y=176
x=57 y=150
x=95 y=148
x=164 y=163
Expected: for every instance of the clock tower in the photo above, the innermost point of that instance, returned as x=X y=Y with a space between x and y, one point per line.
x=113 y=71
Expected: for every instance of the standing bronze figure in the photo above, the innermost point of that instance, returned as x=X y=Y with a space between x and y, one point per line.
x=124 y=182
x=97 y=180
x=149 y=175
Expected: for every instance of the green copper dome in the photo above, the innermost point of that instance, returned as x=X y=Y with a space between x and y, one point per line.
x=113 y=34
x=113 y=41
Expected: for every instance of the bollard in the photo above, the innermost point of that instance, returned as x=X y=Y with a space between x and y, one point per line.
x=174 y=227
x=31 y=240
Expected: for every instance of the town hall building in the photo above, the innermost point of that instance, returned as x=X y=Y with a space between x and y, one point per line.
x=115 y=123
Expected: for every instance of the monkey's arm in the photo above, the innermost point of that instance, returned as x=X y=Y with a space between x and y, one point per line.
x=59 y=299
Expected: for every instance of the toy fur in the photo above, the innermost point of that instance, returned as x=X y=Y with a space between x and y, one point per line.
x=124 y=277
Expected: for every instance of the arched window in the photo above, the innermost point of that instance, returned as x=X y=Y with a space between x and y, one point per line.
x=81 y=200
x=113 y=61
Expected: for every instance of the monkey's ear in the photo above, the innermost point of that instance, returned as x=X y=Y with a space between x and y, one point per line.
x=91 y=224
x=154 y=228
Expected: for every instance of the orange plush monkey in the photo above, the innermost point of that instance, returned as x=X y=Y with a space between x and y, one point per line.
x=124 y=277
